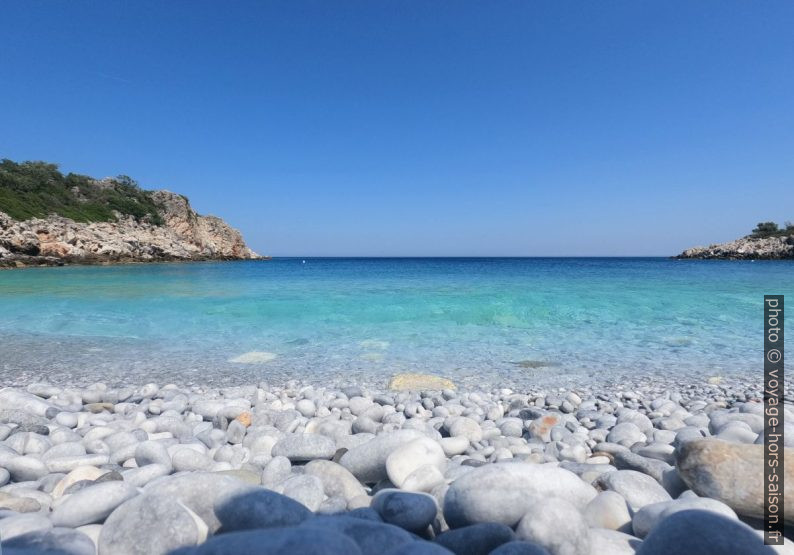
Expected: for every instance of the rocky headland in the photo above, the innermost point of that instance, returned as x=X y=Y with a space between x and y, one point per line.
x=294 y=468
x=767 y=242
x=80 y=220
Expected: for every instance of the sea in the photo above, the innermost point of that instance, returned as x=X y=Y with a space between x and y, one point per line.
x=486 y=322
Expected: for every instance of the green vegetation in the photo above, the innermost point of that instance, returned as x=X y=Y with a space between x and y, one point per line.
x=771 y=229
x=38 y=189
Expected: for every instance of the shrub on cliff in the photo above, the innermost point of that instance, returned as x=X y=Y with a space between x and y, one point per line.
x=38 y=189
x=771 y=229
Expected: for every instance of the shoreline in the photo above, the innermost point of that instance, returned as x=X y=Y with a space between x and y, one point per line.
x=430 y=469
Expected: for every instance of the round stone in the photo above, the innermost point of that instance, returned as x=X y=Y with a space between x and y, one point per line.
x=704 y=533
x=304 y=447
x=636 y=488
x=556 y=525
x=407 y=458
x=92 y=504
x=504 y=492
x=410 y=511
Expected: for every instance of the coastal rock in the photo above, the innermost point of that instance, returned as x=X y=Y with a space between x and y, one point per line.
x=733 y=473
x=413 y=512
x=92 y=504
x=608 y=510
x=56 y=541
x=636 y=488
x=336 y=479
x=556 y=525
x=704 y=533
x=650 y=515
x=523 y=548
x=476 y=539
x=419 y=382
x=12 y=526
x=370 y=536
x=367 y=462
x=746 y=248
x=304 y=447
x=407 y=458
x=183 y=235
x=150 y=524
x=259 y=508
x=612 y=542
x=200 y=492
x=504 y=492
x=306 y=541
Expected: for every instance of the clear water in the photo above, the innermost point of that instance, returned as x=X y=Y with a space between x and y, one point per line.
x=477 y=321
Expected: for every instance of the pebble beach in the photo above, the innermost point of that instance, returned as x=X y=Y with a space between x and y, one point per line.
x=418 y=466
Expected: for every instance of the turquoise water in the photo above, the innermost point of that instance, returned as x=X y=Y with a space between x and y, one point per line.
x=481 y=321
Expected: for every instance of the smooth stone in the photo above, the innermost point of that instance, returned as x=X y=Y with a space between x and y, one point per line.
x=152 y=452
x=306 y=407
x=150 y=524
x=626 y=460
x=555 y=524
x=276 y=471
x=608 y=510
x=258 y=508
x=524 y=548
x=419 y=548
x=12 y=526
x=69 y=449
x=200 y=492
x=306 y=490
x=704 y=533
x=367 y=462
x=504 y=492
x=55 y=541
x=370 y=536
x=733 y=473
x=650 y=515
x=476 y=539
x=612 y=542
x=454 y=445
x=407 y=458
x=419 y=382
x=13 y=399
x=243 y=475
x=186 y=459
x=637 y=489
x=92 y=504
x=423 y=479
x=462 y=426
x=413 y=512
x=25 y=468
x=5 y=476
x=626 y=434
x=304 y=447
x=67 y=464
x=20 y=504
x=336 y=479
x=279 y=541
x=139 y=477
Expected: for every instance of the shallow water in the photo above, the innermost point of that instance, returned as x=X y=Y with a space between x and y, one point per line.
x=477 y=321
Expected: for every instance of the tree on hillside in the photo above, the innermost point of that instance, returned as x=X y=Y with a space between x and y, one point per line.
x=765 y=229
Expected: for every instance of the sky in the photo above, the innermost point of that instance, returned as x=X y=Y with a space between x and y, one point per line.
x=420 y=128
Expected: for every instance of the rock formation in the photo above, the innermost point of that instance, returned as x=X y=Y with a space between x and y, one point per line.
x=746 y=248
x=185 y=235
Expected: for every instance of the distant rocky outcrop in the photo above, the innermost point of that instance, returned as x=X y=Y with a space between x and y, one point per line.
x=179 y=233
x=747 y=248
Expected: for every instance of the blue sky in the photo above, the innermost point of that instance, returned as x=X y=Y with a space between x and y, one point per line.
x=420 y=127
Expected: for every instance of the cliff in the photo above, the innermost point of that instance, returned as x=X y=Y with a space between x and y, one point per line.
x=747 y=248
x=122 y=223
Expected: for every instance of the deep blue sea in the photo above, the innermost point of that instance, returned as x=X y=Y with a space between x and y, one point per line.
x=487 y=321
